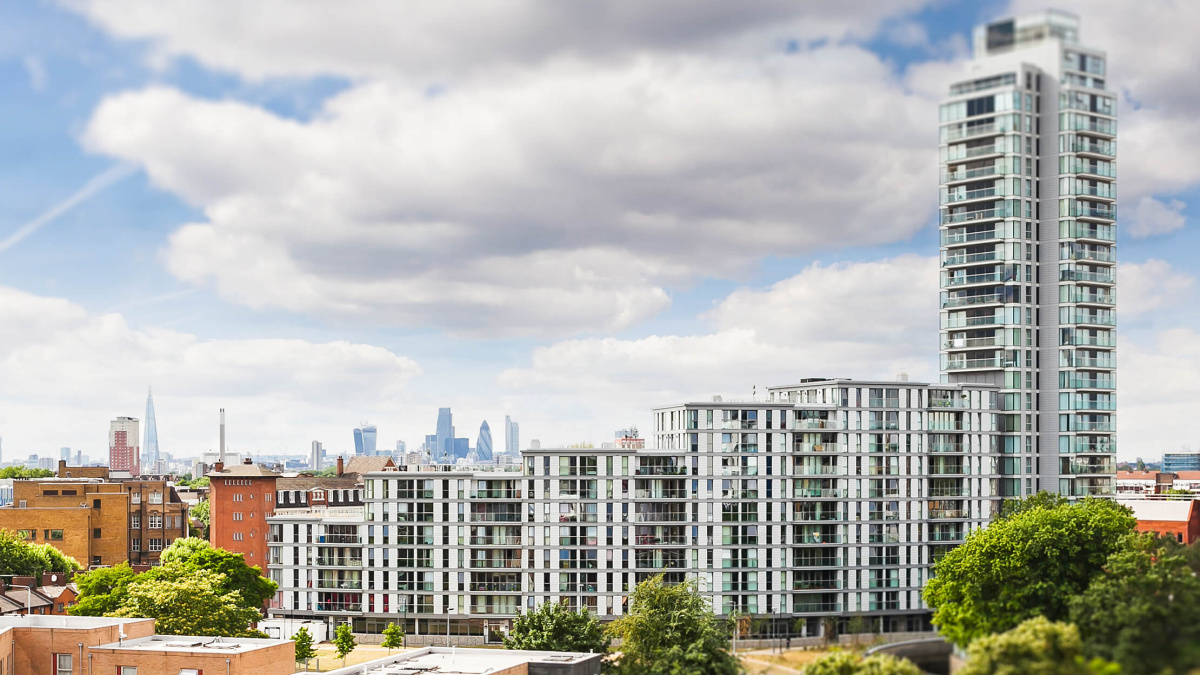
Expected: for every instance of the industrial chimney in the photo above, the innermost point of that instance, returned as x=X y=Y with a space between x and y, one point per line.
x=221 y=457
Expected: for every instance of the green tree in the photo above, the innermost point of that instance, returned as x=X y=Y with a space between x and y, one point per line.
x=1035 y=647
x=1144 y=610
x=102 y=590
x=1141 y=466
x=22 y=472
x=1028 y=564
x=201 y=512
x=344 y=642
x=1041 y=500
x=247 y=581
x=851 y=663
x=669 y=630
x=22 y=558
x=305 y=649
x=1179 y=494
x=554 y=628
x=393 y=637
x=186 y=601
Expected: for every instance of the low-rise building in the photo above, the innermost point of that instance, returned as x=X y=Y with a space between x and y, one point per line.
x=1179 y=518
x=829 y=499
x=56 y=645
x=1144 y=482
x=1187 y=480
x=446 y=661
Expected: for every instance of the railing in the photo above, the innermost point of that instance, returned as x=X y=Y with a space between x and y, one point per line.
x=817 y=424
x=339 y=539
x=660 y=494
x=949 y=470
x=1092 y=254
x=810 y=493
x=966 y=195
x=1091 y=490
x=1080 y=340
x=947 y=492
x=948 y=513
x=1095 y=426
x=495 y=541
x=415 y=541
x=1107 y=127
x=969 y=343
x=661 y=471
x=968 y=300
x=1098 y=319
x=995 y=169
x=819 y=561
x=1106 y=149
x=1079 y=212
x=958 y=321
x=1093 y=405
x=496 y=609
x=495 y=564
x=883 y=402
x=949 y=239
x=748 y=540
x=818 y=447
x=568 y=587
x=1081 y=230
x=884 y=561
x=803 y=470
x=494 y=587
x=883 y=447
x=961 y=132
x=1093 y=298
x=817 y=540
x=972 y=258
x=651 y=540
x=875 y=493
x=964 y=364
x=334 y=584
x=946 y=536
x=984 y=214
x=1109 y=171
x=339 y=562
x=1080 y=275
x=739 y=471
x=1085 y=448
x=1088 y=468
x=339 y=606
x=414 y=494
x=820 y=517
x=492 y=494
x=814 y=607
x=495 y=518
x=1108 y=192
x=660 y=517
x=816 y=584
x=946 y=447
x=1090 y=383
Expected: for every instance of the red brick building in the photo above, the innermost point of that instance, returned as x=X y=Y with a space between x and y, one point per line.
x=240 y=499
x=1176 y=517
x=124 y=450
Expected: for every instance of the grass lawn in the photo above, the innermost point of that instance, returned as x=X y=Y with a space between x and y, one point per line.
x=327 y=658
x=760 y=661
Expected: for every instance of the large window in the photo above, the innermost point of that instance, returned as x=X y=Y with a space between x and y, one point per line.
x=62 y=664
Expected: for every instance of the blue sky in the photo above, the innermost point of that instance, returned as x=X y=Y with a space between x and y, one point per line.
x=567 y=219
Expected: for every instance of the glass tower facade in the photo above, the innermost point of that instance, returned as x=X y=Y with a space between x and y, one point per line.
x=1028 y=249
x=150 y=444
x=483 y=445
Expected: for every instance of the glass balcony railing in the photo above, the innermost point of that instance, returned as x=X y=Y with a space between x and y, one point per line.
x=818 y=447
x=967 y=195
x=1104 y=170
x=1092 y=298
x=966 y=364
x=1099 y=255
x=807 y=470
x=951 y=238
x=1105 y=277
x=946 y=447
x=951 y=535
x=1082 y=230
x=1084 y=340
x=1092 y=212
x=1081 y=425
x=1091 y=468
x=984 y=214
x=816 y=607
x=1108 y=149
x=1093 y=319
x=811 y=493
x=972 y=343
x=817 y=424
x=970 y=300
x=999 y=168
x=1084 y=447
x=1089 y=383
x=816 y=561
x=944 y=514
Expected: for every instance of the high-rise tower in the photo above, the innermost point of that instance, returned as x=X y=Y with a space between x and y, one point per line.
x=443 y=452
x=483 y=445
x=123 y=452
x=150 y=444
x=512 y=436
x=364 y=440
x=1028 y=238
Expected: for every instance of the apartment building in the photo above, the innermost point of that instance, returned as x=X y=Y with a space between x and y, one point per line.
x=240 y=497
x=1028 y=249
x=829 y=498
x=98 y=522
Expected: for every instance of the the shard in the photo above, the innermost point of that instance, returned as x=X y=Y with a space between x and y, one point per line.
x=150 y=442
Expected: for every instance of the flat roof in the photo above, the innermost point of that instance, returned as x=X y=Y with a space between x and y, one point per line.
x=458 y=661
x=76 y=622
x=192 y=644
x=1159 y=509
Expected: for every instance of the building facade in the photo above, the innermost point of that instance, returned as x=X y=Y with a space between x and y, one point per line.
x=1174 y=462
x=829 y=499
x=241 y=497
x=483 y=445
x=1028 y=249
x=123 y=451
x=151 y=456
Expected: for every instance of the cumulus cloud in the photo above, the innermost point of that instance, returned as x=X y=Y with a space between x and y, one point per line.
x=1151 y=285
x=56 y=359
x=431 y=39
x=547 y=201
x=1152 y=217
x=1158 y=390
x=864 y=320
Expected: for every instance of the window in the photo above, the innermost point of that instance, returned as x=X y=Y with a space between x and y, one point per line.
x=137 y=544
x=54 y=535
x=137 y=521
x=137 y=497
x=190 y=671
x=238 y=497
x=96 y=533
x=156 y=521
x=156 y=544
x=237 y=515
x=27 y=535
x=62 y=664
x=237 y=536
x=126 y=670
x=95 y=503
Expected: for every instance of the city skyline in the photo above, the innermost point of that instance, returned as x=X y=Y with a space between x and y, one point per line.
x=649 y=276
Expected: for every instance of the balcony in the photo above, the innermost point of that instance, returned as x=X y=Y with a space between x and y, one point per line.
x=660 y=517
x=960 y=237
x=816 y=517
x=967 y=195
x=338 y=562
x=883 y=402
x=334 y=584
x=339 y=606
x=1108 y=149
x=969 y=343
x=1093 y=319
x=808 y=470
x=339 y=539
x=1092 y=298
x=970 y=300
x=816 y=607
x=949 y=470
x=1099 y=255
x=1092 y=468
x=1098 y=447
x=1107 y=170
x=969 y=279
x=1085 y=404
x=818 y=447
x=964 y=132
x=1081 y=425
x=996 y=169
x=493 y=587
x=801 y=424
x=1089 y=383
x=944 y=514
x=817 y=561
x=1102 y=340
x=495 y=518
x=1084 y=230
x=947 y=492
x=513 y=541
x=946 y=447
x=1102 y=126
x=984 y=214
x=496 y=564
x=739 y=471
x=968 y=364
x=816 y=493
x=972 y=258
x=1085 y=212
x=1103 y=191
x=1091 y=490
x=816 y=584
x=661 y=471
x=1105 y=277
x=950 y=535
x=884 y=561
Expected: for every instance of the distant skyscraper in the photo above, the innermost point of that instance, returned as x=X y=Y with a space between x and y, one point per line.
x=483 y=446
x=401 y=447
x=64 y=454
x=368 y=440
x=512 y=436
x=314 y=457
x=150 y=445
x=443 y=450
x=123 y=452
x=358 y=441
x=462 y=446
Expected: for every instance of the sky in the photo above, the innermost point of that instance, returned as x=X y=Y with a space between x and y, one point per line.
x=320 y=214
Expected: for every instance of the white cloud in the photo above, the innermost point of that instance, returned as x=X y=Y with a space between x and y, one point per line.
x=1158 y=393
x=545 y=201
x=431 y=39
x=1152 y=217
x=64 y=373
x=36 y=70
x=1151 y=285
x=862 y=320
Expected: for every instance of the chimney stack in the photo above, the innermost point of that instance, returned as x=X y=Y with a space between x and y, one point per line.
x=340 y=466
x=221 y=457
